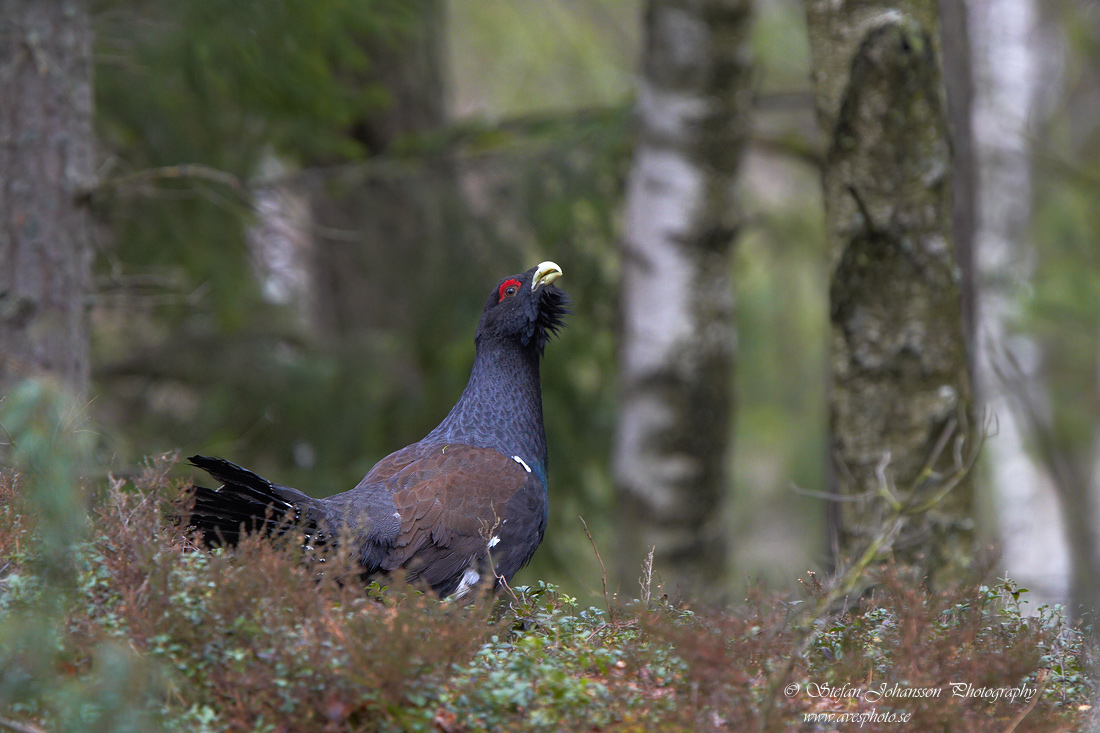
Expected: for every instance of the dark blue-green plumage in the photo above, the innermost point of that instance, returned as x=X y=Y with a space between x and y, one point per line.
x=466 y=502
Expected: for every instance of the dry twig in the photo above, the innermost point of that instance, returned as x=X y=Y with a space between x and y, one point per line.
x=603 y=570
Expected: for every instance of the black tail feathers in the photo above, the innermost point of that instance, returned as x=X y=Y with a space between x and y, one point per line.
x=247 y=503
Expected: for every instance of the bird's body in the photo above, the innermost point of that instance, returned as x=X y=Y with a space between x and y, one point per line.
x=467 y=502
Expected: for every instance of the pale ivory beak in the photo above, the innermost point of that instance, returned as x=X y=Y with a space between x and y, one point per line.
x=546 y=273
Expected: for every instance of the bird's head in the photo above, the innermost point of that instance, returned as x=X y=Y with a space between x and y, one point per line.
x=526 y=308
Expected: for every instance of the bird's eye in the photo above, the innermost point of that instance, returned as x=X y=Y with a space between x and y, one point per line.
x=508 y=288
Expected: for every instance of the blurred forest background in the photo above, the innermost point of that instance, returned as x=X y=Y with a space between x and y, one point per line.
x=300 y=206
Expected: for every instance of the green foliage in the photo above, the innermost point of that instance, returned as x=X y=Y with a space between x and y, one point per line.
x=45 y=440
x=561 y=668
x=43 y=526
x=290 y=74
x=1061 y=306
x=219 y=84
x=1062 y=312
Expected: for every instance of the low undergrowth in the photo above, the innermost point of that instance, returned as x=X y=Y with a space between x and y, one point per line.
x=121 y=623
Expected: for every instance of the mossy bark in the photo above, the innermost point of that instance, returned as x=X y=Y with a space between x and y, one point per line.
x=45 y=168
x=677 y=340
x=900 y=375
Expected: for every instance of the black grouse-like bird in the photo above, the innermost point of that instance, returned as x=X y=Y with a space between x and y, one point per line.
x=473 y=488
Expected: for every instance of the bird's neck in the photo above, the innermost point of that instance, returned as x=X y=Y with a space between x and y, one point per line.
x=501 y=407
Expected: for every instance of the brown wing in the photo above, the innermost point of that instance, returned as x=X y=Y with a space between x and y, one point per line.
x=456 y=501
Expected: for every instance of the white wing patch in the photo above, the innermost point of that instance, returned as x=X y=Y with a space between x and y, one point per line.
x=493 y=542
x=522 y=462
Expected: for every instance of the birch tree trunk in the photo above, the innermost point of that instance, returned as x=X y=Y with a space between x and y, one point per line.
x=1007 y=64
x=900 y=379
x=677 y=340
x=280 y=242
x=45 y=165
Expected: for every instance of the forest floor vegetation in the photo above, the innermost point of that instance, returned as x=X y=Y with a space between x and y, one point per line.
x=136 y=628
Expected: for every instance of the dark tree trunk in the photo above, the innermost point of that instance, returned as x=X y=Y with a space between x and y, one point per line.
x=45 y=165
x=900 y=367
x=677 y=341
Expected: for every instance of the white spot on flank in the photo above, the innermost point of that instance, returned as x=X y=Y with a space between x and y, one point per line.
x=522 y=462
x=493 y=542
x=397 y=515
x=469 y=580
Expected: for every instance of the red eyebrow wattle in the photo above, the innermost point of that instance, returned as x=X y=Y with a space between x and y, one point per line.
x=504 y=286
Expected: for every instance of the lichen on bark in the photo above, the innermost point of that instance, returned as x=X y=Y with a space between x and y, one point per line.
x=899 y=364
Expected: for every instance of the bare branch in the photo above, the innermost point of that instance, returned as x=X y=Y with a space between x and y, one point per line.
x=830 y=495
x=183 y=171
